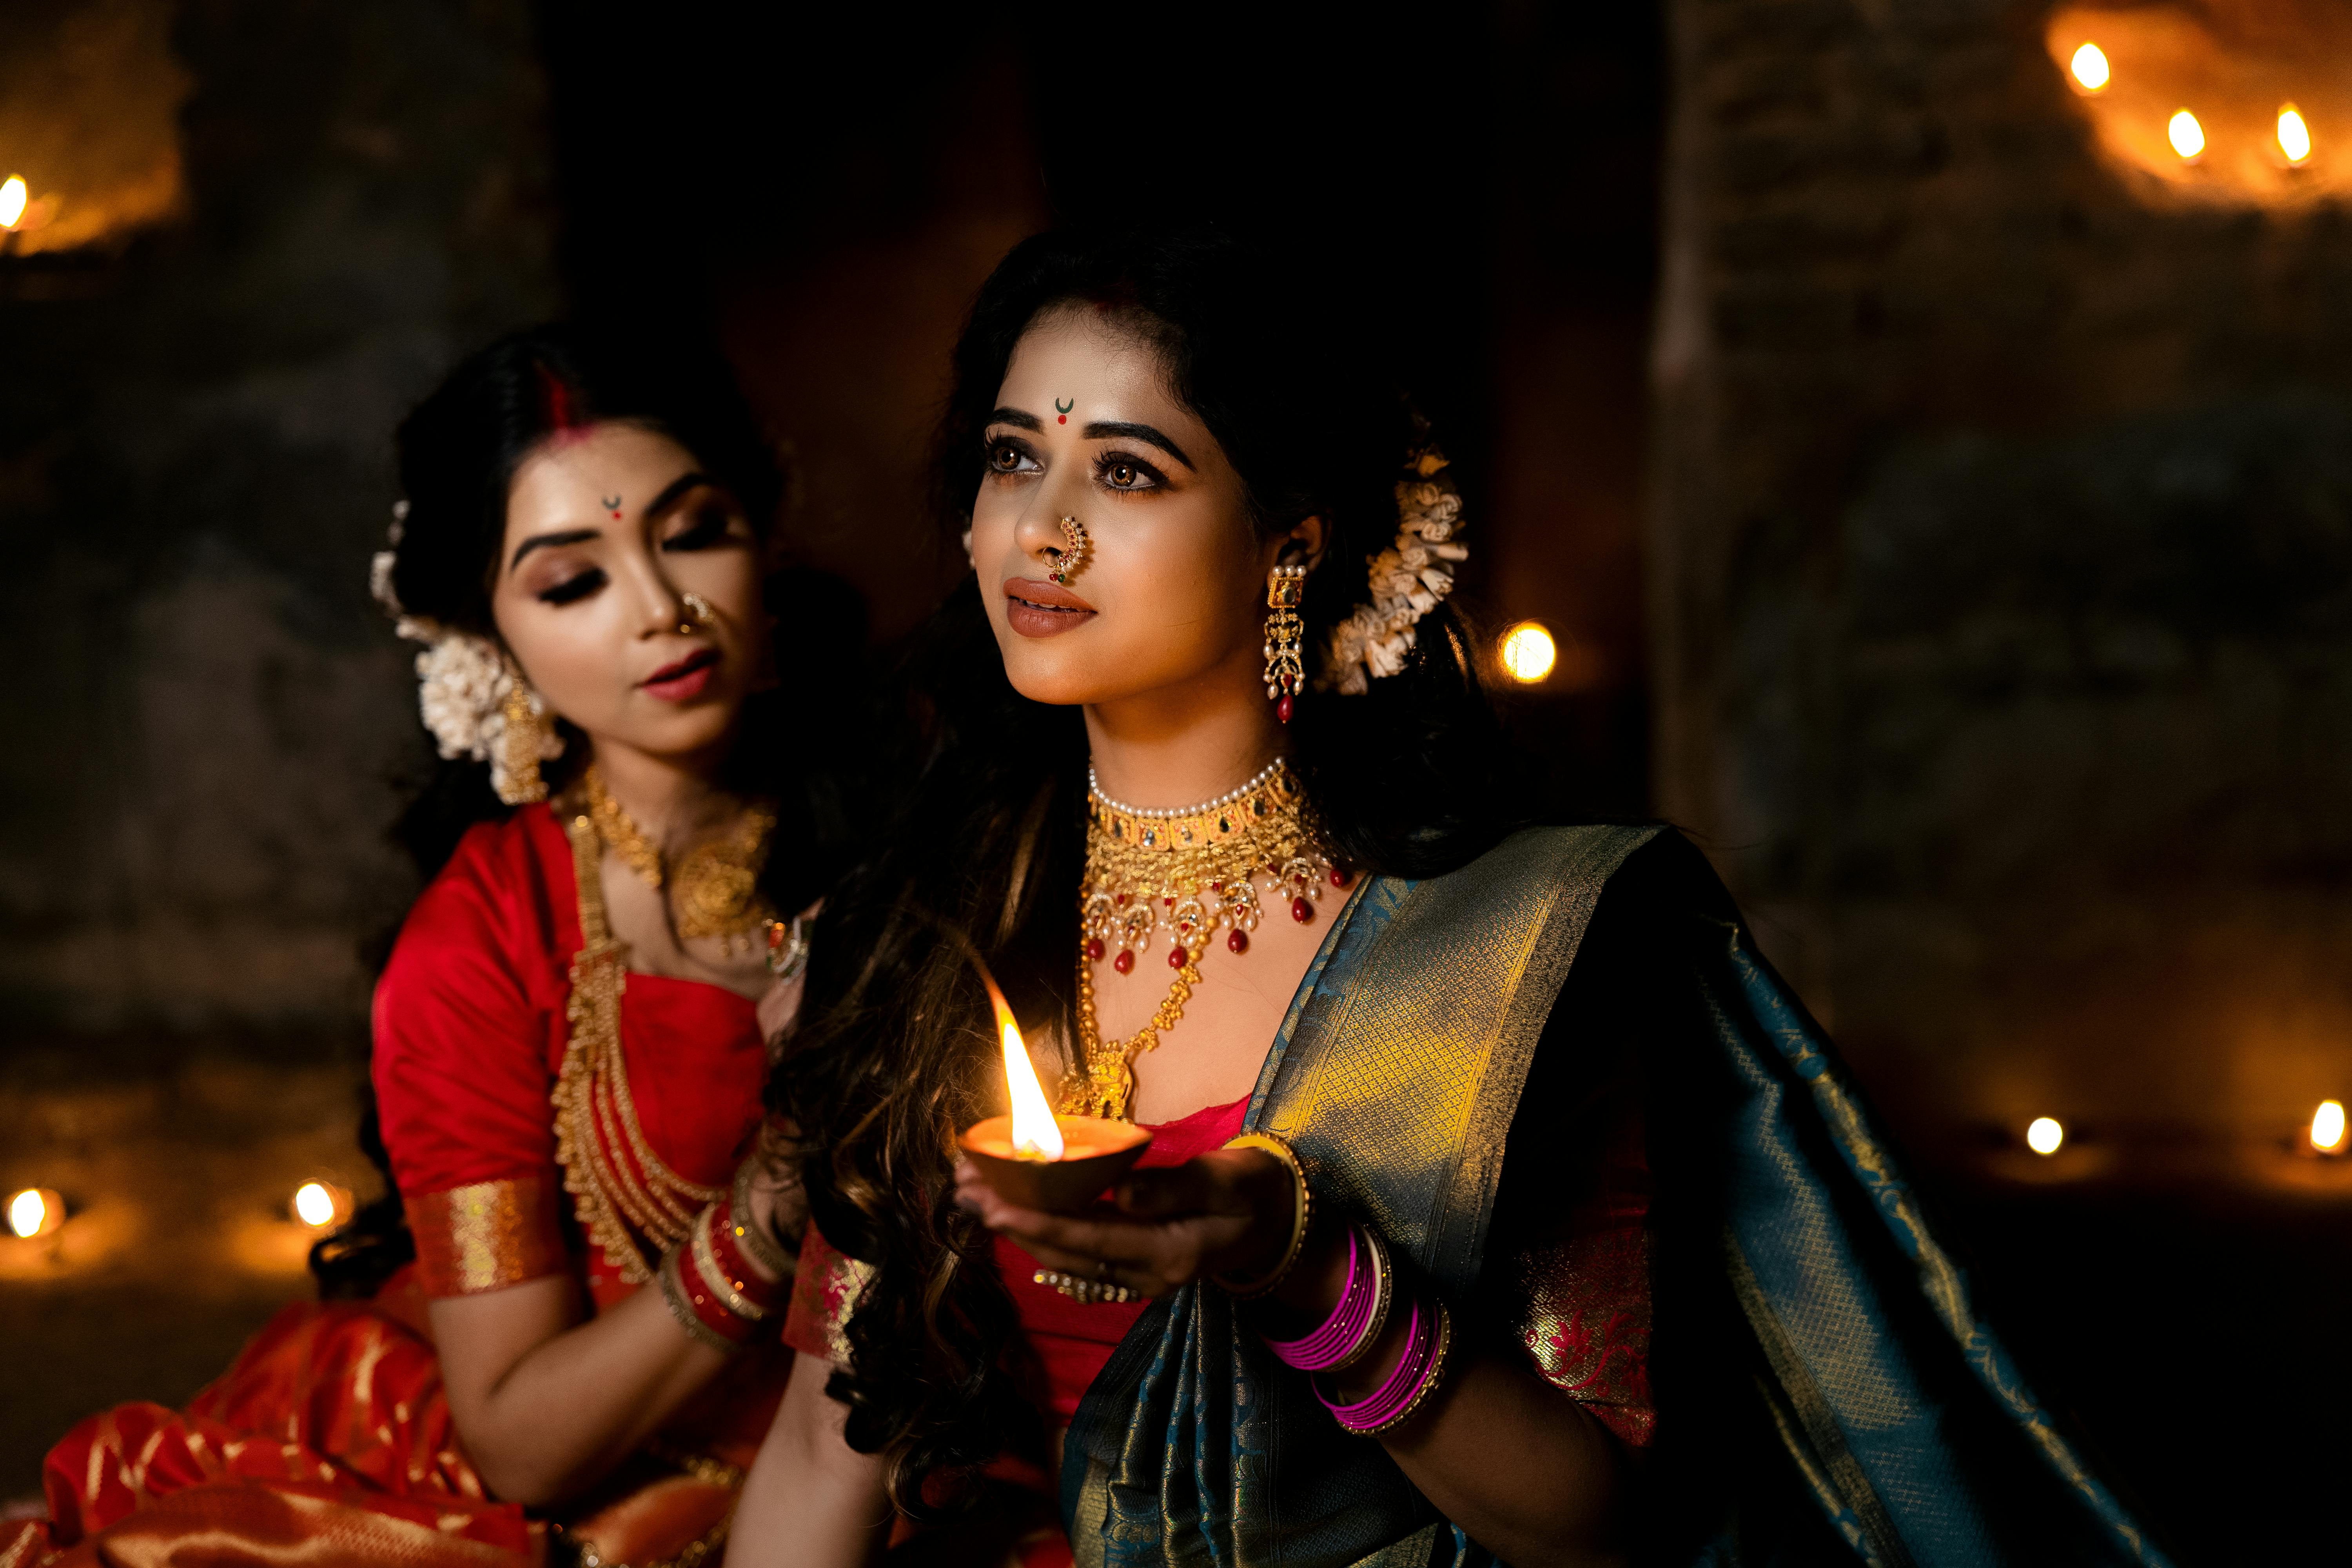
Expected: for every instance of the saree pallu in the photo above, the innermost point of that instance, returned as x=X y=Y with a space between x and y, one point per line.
x=1826 y=1388
x=329 y=1443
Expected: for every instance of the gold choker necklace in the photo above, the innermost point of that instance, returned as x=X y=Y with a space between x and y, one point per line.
x=1188 y=872
x=716 y=887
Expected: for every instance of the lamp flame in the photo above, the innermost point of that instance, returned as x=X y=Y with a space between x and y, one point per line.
x=2090 y=68
x=2294 y=134
x=13 y=200
x=2188 y=137
x=2045 y=1135
x=1035 y=1135
x=2327 y=1129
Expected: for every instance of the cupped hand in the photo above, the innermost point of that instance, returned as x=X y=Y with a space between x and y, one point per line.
x=1229 y=1212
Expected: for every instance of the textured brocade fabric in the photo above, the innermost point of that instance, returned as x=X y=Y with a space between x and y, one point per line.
x=824 y=1293
x=1587 y=1324
x=329 y=1442
x=486 y=1237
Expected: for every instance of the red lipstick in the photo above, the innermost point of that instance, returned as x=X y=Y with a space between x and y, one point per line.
x=684 y=681
x=1037 y=609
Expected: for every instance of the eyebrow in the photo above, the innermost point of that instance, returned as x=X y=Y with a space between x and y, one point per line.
x=1100 y=430
x=671 y=492
x=568 y=536
x=1103 y=430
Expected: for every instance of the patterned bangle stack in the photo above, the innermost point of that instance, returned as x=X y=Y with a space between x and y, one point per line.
x=1409 y=1385
x=1348 y=1334
x=715 y=1298
x=1354 y=1326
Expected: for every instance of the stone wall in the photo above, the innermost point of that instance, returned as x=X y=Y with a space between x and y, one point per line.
x=206 y=717
x=2000 y=576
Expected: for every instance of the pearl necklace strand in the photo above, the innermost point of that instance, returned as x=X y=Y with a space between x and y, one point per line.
x=1257 y=781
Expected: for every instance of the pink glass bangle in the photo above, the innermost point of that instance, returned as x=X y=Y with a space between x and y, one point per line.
x=1409 y=1385
x=1357 y=1318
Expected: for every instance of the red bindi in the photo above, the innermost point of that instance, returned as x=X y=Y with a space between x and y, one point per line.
x=1061 y=419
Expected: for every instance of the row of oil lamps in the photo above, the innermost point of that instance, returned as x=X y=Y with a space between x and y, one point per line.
x=2327 y=1134
x=40 y=1211
x=2092 y=74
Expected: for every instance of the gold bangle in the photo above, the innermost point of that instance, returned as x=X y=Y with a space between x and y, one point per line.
x=673 y=1290
x=706 y=1261
x=758 y=1243
x=1248 y=1290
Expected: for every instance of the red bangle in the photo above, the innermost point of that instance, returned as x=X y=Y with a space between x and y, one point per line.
x=710 y=1293
x=697 y=1309
x=727 y=1255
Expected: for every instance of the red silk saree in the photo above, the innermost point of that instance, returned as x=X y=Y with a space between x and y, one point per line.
x=526 y=1097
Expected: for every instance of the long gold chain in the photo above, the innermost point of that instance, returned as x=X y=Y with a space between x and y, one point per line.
x=621 y=1188
x=716 y=887
x=1189 y=873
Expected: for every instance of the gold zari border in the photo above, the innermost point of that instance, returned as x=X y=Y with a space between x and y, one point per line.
x=485 y=1237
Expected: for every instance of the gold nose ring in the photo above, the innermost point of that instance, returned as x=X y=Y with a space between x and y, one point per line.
x=699 y=613
x=1067 y=562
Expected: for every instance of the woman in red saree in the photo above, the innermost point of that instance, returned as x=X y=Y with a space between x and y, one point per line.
x=569 y=1035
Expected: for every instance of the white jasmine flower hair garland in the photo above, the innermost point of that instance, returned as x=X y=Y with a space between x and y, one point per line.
x=463 y=681
x=1408 y=579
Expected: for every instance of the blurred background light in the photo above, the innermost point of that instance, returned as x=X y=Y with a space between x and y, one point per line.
x=2187 y=136
x=1528 y=652
x=2294 y=135
x=2089 y=67
x=36 y=1211
x=2045 y=1135
x=12 y=197
x=2327 y=1129
x=321 y=1204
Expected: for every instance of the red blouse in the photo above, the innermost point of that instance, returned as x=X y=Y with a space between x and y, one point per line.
x=1070 y=1342
x=470 y=1036
x=1573 y=1274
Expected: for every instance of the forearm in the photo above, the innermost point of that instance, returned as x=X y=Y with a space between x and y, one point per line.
x=1517 y=1464
x=1500 y=1452
x=810 y=1501
x=573 y=1406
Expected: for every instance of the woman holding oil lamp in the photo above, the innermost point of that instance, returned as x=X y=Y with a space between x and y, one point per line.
x=1456 y=1114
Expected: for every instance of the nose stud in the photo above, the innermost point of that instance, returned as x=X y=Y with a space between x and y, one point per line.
x=699 y=613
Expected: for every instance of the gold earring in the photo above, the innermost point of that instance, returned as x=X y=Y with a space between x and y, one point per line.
x=698 y=612
x=514 y=770
x=1067 y=562
x=1286 y=590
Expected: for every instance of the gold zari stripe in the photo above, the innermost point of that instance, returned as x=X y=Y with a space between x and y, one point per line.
x=485 y=1237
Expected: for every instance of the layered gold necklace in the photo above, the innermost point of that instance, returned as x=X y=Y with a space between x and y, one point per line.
x=1188 y=872
x=715 y=889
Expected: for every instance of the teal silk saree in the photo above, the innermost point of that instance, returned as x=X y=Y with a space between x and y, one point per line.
x=1827 y=1392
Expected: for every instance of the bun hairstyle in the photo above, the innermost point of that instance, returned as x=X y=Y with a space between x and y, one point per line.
x=896 y=1052
x=458 y=452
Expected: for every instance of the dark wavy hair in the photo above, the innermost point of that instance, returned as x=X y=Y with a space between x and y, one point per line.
x=896 y=1051
x=458 y=452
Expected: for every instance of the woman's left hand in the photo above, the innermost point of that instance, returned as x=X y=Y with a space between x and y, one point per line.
x=1229 y=1212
